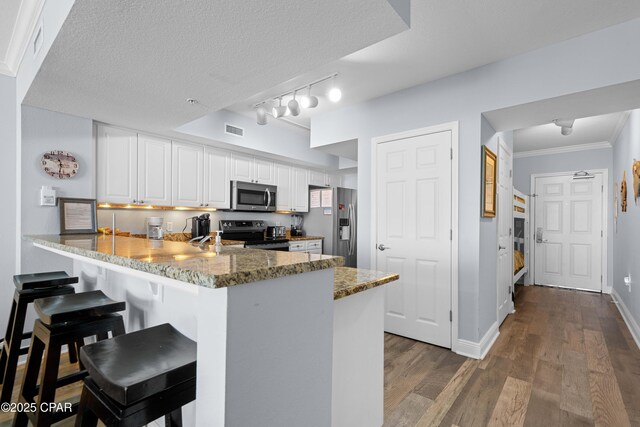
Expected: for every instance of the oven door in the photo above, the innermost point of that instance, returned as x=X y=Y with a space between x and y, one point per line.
x=247 y=196
x=269 y=246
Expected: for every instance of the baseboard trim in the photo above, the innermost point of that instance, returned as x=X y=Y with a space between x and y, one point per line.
x=478 y=350
x=631 y=323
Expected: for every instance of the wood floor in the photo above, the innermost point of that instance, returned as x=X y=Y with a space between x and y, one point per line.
x=565 y=358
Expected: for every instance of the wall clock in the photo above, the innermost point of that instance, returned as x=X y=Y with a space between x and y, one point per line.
x=59 y=164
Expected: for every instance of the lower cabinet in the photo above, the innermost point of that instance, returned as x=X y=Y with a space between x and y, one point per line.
x=308 y=246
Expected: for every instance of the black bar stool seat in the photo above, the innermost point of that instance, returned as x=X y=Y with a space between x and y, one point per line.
x=152 y=370
x=51 y=279
x=62 y=319
x=76 y=308
x=29 y=287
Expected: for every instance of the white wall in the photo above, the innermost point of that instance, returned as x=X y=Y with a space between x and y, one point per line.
x=582 y=63
x=626 y=244
x=44 y=131
x=524 y=167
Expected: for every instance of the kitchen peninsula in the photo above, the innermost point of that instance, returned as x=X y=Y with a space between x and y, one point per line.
x=274 y=348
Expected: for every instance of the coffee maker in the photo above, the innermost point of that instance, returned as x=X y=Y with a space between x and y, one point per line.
x=200 y=226
x=154 y=228
x=296 y=225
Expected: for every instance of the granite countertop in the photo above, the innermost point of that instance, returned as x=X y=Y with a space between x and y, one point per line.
x=349 y=281
x=298 y=238
x=185 y=237
x=199 y=265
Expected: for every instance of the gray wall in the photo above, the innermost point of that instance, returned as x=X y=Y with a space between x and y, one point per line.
x=626 y=241
x=43 y=131
x=524 y=167
x=8 y=138
x=541 y=74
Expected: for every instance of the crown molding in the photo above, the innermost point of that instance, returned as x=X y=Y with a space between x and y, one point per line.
x=619 y=126
x=565 y=149
x=26 y=22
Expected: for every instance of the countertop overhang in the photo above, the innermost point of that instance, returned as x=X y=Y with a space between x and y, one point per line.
x=204 y=265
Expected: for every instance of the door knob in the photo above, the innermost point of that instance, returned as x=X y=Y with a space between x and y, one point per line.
x=382 y=247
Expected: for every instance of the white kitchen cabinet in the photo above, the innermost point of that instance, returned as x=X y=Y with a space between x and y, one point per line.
x=187 y=174
x=317 y=178
x=284 y=199
x=300 y=190
x=217 y=188
x=117 y=180
x=251 y=169
x=308 y=246
x=154 y=171
x=336 y=181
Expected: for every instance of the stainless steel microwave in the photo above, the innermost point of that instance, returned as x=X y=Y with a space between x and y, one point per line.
x=249 y=196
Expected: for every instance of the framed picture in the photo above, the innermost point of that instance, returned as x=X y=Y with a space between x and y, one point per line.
x=77 y=216
x=489 y=182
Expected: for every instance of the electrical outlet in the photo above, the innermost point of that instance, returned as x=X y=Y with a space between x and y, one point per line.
x=627 y=282
x=169 y=226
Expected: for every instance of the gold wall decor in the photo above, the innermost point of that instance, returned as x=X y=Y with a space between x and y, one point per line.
x=489 y=182
x=623 y=192
x=636 y=180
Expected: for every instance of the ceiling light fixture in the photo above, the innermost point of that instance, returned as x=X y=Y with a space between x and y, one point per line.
x=293 y=107
x=335 y=94
x=565 y=125
x=309 y=101
x=192 y=101
x=280 y=110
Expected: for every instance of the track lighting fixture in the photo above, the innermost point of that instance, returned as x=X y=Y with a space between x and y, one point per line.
x=294 y=106
x=280 y=110
x=566 y=126
x=261 y=115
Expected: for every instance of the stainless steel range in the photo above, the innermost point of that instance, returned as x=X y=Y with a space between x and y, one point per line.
x=252 y=233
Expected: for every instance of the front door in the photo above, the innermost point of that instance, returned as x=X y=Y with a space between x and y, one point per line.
x=568 y=232
x=413 y=212
x=505 y=231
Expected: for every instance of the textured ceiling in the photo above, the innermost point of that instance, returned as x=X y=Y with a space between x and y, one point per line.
x=448 y=37
x=587 y=130
x=134 y=62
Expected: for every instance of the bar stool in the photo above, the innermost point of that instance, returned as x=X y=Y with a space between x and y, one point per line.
x=137 y=378
x=29 y=287
x=62 y=319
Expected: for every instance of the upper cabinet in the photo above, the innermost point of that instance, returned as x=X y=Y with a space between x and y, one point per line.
x=117 y=165
x=336 y=180
x=318 y=178
x=217 y=188
x=251 y=169
x=300 y=190
x=154 y=171
x=187 y=174
x=293 y=188
x=284 y=200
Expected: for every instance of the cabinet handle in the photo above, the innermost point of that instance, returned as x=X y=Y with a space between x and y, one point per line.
x=207 y=204
x=135 y=201
x=141 y=201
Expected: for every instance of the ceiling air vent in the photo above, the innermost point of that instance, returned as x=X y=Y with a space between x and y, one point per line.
x=233 y=130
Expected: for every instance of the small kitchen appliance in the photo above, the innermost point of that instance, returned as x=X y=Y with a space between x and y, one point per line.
x=200 y=226
x=276 y=232
x=254 y=197
x=252 y=233
x=296 y=225
x=154 y=228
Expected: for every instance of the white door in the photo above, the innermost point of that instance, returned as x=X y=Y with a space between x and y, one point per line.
x=300 y=190
x=117 y=165
x=242 y=168
x=505 y=231
x=413 y=215
x=188 y=176
x=264 y=172
x=284 y=182
x=154 y=171
x=568 y=232
x=217 y=184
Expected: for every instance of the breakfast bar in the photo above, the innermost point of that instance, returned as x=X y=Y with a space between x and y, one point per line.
x=284 y=338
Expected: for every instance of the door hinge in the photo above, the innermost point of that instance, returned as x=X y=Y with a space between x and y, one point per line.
x=509 y=289
x=601 y=233
x=511 y=173
x=601 y=278
x=450 y=316
x=451 y=152
x=451 y=234
x=602 y=188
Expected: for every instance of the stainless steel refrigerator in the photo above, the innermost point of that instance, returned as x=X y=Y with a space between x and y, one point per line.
x=336 y=223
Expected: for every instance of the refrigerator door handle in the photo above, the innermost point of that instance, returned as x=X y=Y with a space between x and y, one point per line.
x=352 y=228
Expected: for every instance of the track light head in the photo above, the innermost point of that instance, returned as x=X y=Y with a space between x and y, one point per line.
x=335 y=94
x=566 y=125
x=280 y=110
x=261 y=115
x=309 y=101
x=293 y=106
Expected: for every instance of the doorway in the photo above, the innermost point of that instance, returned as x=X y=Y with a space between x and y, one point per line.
x=505 y=230
x=415 y=176
x=569 y=230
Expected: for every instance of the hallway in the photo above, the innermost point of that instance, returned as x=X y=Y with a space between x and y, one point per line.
x=565 y=358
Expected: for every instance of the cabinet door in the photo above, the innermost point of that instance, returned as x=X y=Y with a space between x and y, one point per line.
x=217 y=188
x=317 y=178
x=117 y=165
x=242 y=168
x=154 y=171
x=284 y=200
x=300 y=190
x=336 y=181
x=187 y=174
x=264 y=172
